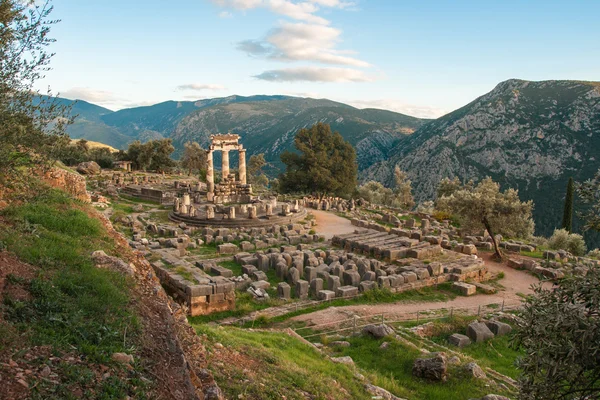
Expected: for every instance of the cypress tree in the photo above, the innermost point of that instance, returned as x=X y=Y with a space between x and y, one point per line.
x=567 y=221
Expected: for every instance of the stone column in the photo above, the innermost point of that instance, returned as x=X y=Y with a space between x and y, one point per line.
x=210 y=212
x=242 y=162
x=225 y=163
x=210 y=174
x=252 y=212
x=186 y=199
x=231 y=212
x=268 y=210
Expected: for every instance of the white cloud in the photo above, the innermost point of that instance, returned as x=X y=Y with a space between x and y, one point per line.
x=198 y=87
x=302 y=42
x=239 y=4
x=225 y=14
x=91 y=95
x=314 y=74
x=399 y=106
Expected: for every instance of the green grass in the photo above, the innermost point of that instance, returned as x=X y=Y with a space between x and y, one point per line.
x=496 y=353
x=74 y=303
x=73 y=306
x=391 y=369
x=272 y=365
x=137 y=200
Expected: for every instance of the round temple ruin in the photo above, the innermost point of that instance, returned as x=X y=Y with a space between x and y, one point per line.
x=231 y=202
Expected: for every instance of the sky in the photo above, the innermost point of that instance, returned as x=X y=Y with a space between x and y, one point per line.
x=421 y=58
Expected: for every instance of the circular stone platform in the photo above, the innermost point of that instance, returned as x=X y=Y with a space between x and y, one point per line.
x=222 y=221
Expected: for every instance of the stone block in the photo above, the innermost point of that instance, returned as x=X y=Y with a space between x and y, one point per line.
x=333 y=282
x=248 y=269
x=293 y=276
x=351 y=278
x=459 y=340
x=316 y=285
x=227 y=248
x=264 y=285
x=326 y=295
x=301 y=289
x=259 y=275
x=479 y=332
x=409 y=277
x=465 y=289
x=498 y=328
x=365 y=286
x=346 y=291
x=284 y=290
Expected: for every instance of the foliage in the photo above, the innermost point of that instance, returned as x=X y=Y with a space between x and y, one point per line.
x=154 y=154
x=32 y=127
x=325 y=163
x=194 y=158
x=426 y=207
x=561 y=239
x=589 y=193
x=403 y=189
x=255 y=174
x=567 y=221
x=486 y=207
x=559 y=330
x=75 y=153
x=595 y=253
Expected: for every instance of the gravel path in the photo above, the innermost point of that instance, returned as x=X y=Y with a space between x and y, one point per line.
x=515 y=284
x=329 y=224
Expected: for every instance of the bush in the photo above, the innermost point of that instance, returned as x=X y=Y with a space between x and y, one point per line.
x=442 y=215
x=594 y=254
x=561 y=239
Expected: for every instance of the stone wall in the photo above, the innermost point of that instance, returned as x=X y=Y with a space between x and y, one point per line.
x=70 y=182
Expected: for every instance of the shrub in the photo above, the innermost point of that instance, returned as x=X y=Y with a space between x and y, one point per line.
x=594 y=254
x=442 y=215
x=561 y=239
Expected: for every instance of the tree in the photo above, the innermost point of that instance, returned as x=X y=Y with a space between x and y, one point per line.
x=31 y=126
x=589 y=194
x=403 y=189
x=325 y=163
x=448 y=186
x=559 y=331
x=154 y=155
x=194 y=158
x=486 y=207
x=255 y=165
x=567 y=221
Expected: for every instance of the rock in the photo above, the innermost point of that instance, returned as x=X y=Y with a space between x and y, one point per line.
x=475 y=370
x=494 y=397
x=378 y=331
x=465 y=289
x=102 y=260
x=88 y=168
x=343 y=360
x=498 y=328
x=122 y=358
x=380 y=393
x=459 y=340
x=213 y=392
x=46 y=371
x=479 y=332
x=433 y=368
x=340 y=343
x=454 y=360
x=384 y=345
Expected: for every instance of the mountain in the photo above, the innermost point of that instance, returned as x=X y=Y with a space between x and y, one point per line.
x=528 y=135
x=267 y=124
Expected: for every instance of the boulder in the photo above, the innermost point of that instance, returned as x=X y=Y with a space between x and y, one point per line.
x=88 y=168
x=475 y=370
x=434 y=368
x=479 y=332
x=343 y=360
x=378 y=331
x=459 y=340
x=498 y=328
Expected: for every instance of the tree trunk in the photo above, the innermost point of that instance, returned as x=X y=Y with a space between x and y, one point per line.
x=491 y=233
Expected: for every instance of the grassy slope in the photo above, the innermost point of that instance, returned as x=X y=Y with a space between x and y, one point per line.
x=273 y=365
x=73 y=306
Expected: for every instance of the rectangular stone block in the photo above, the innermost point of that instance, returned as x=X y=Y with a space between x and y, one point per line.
x=346 y=291
x=326 y=295
x=465 y=289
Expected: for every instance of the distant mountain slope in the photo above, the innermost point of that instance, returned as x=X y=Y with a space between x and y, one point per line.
x=529 y=135
x=270 y=126
x=267 y=124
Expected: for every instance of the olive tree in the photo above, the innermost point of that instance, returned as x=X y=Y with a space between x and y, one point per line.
x=486 y=207
x=403 y=189
x=194 y=158
x=32 y=126
x=559 y=331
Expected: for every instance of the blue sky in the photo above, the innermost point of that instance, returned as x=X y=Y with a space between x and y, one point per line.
x=422 y=58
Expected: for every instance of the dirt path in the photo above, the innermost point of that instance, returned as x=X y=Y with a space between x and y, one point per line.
x=515 y=284
x=329 y=224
